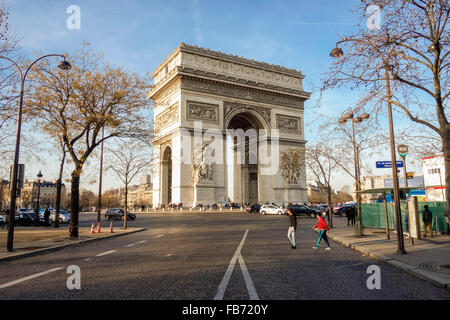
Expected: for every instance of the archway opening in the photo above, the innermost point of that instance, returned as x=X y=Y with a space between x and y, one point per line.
x=242 y=160
x=166 y=175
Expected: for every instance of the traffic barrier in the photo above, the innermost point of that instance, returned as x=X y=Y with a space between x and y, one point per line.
x=92 y=228
x=99 y=229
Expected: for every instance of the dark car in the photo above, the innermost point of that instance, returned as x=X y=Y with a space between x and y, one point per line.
x=26 y=218
x=298 y=209
x=254 y=208
x=117 y=213
x=342 y=211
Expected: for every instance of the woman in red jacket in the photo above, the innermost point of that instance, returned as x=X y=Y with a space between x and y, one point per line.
x=323 y=228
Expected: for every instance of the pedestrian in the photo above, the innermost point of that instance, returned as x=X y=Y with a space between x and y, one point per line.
x=323 y=229
x=46 y=216
x=350 y=213
x=292 y=228
x=427 y=218
x=7 y=217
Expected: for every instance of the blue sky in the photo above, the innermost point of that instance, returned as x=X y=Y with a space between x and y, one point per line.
x=140 y=34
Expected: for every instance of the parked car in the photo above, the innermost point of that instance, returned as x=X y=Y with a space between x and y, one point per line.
x=254 y=208
x=298 y=209
x=342 y=210
x=64 y=216
x=25 y=217
x=2 y=220
x=271 y=209
x=117 y=213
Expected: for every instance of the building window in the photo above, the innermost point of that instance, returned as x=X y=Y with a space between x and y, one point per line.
x=434 y=171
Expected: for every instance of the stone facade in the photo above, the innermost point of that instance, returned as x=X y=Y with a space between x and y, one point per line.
x=221 y=91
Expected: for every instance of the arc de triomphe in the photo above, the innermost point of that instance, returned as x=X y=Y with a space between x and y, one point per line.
x=199 y=87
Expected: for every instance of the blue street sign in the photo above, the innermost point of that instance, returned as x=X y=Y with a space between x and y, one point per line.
x=388 y=164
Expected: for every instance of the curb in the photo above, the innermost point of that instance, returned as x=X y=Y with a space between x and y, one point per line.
x=63 y=246
x=412 y=270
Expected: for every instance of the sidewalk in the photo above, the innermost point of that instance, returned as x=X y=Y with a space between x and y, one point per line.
x=29 y=241
x=428 y=258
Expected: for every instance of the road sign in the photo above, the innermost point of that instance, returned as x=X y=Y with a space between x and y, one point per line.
x=402 y=150
x=388 y=164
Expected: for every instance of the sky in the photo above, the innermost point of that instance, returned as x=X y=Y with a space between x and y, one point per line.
x=138 y=35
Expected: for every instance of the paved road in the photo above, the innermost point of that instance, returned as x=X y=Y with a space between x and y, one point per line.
x=186 y=256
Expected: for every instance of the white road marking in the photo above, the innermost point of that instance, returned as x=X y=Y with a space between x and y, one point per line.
x=87 y=259
x=159 y=236
x=141 y=241
x=226 y=278
x=248 y=281
x=105 y=253
x=9 y=284
x=130 y=245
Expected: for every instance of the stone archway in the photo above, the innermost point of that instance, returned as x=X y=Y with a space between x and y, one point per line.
x=166 y=176
x=243 y=174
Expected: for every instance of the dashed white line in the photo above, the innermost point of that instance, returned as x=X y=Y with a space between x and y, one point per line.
x=105 y=253
x=9 y=284
x=159 y=236
x=141 y=241
x=130 y=245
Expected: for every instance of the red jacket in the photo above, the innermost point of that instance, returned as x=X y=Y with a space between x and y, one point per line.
x=322 y=225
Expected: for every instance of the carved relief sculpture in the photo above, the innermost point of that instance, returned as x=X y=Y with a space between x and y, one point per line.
x=201 y=111
x=166 y=118
x=288 y=124
x=203 y=172
x=290 y=166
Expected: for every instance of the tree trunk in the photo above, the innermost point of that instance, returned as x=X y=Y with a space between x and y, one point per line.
x=58 y=191
x=446 y=151
x=125 y=208
x=75 y=206
x=330 y=209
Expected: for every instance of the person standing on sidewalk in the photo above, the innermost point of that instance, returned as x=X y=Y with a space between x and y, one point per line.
x=427 y=218
x=323 y=229
x=292 y=228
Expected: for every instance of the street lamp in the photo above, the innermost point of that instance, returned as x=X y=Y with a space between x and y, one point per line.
x=64 y=65
x=337 y=53
x=39 y=177
x=349 y=116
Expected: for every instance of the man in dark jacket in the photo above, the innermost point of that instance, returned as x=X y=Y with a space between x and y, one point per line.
x=427 y=218
x=292 y=228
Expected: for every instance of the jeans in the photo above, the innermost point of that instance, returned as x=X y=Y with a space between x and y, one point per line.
x=291 y=236
x=322 y=234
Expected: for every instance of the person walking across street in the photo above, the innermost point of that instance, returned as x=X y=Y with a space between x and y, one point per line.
x=427 y=218
x=292 y=228
x=46 y=216
x=7 y=217
x=323 y=229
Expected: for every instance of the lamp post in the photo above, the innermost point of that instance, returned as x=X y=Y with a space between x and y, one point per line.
x=36 y=218
x=99 y=204
x=338 y=53
x=351 y=117
x=64 y=65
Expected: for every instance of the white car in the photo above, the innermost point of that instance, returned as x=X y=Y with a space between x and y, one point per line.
x=271 y=209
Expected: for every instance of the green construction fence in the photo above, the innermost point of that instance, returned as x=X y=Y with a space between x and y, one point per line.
x=372 y=215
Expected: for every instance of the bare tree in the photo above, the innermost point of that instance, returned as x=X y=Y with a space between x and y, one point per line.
x=77 y=104
x=322 y=166
x=405 y=62
x=128 y=158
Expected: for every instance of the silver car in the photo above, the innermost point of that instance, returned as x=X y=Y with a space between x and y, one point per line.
x=271 y=209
